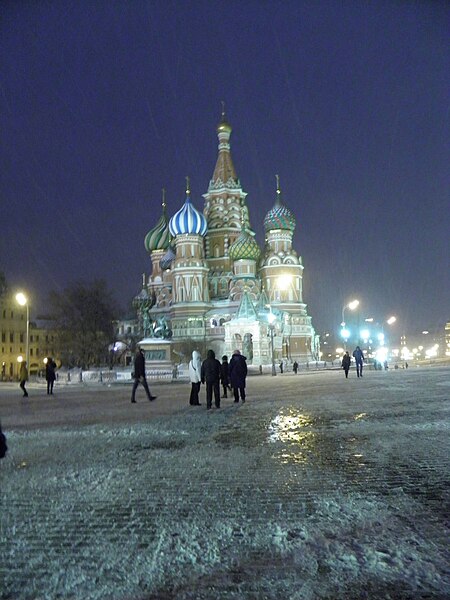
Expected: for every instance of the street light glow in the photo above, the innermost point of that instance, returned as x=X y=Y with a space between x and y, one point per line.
x=284 y=281
x=353 y=304
x=21 y=299
x=391 y=320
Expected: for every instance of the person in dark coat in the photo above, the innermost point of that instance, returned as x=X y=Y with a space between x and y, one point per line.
x=210 y=374
x=23 y=377
x=50 y=374
x=346 y=361
x=3 y=445
x=139 y=376
x=359 y=359
x=225 y=375
x=295 y=367
x=238 y=374
x=281 y=367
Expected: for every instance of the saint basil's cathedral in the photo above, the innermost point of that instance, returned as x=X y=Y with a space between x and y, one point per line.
x=211 y=285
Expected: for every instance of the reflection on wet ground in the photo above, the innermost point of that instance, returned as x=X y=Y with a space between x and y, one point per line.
x=292 y=429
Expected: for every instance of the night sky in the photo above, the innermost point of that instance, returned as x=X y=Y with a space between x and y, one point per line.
x=104 y=103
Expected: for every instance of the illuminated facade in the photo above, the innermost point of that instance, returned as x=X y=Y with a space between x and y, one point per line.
x=211 y=283
x=13 y=341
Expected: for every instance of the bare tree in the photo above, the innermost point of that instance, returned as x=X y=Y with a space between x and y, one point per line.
x=84 y=317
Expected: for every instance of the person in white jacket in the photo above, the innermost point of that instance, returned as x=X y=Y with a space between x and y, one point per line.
x=195 y=366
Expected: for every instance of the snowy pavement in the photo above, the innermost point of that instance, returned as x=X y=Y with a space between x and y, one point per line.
x=317 y=487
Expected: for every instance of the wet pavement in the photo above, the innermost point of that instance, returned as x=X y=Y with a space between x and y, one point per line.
x=316 y=487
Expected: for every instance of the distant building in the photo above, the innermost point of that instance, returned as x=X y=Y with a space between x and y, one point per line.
x=13 y=346
x=211 y=285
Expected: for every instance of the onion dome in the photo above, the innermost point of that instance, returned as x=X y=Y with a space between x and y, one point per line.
x=279 y=217
x=223 y=125
x=245 y=247
x=188 y=219
x=168 y=258
x=158 y=238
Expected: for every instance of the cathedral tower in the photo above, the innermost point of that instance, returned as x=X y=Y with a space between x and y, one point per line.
x=190 y=294
x=282 y=278
x=226 y=212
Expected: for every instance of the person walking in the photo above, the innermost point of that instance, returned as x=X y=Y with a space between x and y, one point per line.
x=225 y=375
x=346 y=361
x=23 y=377
x=295 y=367
x=50 y=375
x=210 y=374
x=195 y=377
x=359 y=359
x=281 y=367
x=238 y=374
x=139 y=375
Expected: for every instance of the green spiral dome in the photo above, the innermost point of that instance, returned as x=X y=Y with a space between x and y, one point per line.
x=245 y=247
x=158 y=238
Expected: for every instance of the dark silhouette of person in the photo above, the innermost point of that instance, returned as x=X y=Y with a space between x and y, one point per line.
x=225 y=375
x=195 y=377
x=210 y=375
x=139 y=375
x=281 y=367
x=50 y=374
x=23 y=377
x=295 y=367
x=359 y=359
x=346 y=362
x=238 y=374
x=3 y=444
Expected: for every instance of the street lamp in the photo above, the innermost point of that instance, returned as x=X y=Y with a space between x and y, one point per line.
x=351 y=305
x=23 y=301
x=344 y=332
x=272 y=318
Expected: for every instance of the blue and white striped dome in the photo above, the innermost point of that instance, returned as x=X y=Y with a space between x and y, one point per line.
x=187 y=220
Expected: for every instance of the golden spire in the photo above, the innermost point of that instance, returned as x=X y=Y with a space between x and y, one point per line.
x=223 y=125
x=278 y=200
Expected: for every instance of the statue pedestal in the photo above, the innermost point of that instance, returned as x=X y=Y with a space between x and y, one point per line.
x=158 y=356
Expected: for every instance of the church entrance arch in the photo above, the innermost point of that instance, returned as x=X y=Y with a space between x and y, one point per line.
x=237 y=342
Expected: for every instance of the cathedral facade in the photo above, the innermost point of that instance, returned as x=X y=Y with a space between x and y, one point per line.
x=212 y=286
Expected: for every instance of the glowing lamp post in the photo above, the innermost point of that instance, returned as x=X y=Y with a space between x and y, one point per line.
x=345 y=332
x=351 y=305
x=23 y=301
x=272 y=318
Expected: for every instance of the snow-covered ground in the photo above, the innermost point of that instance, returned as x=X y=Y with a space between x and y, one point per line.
x=317 y=488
